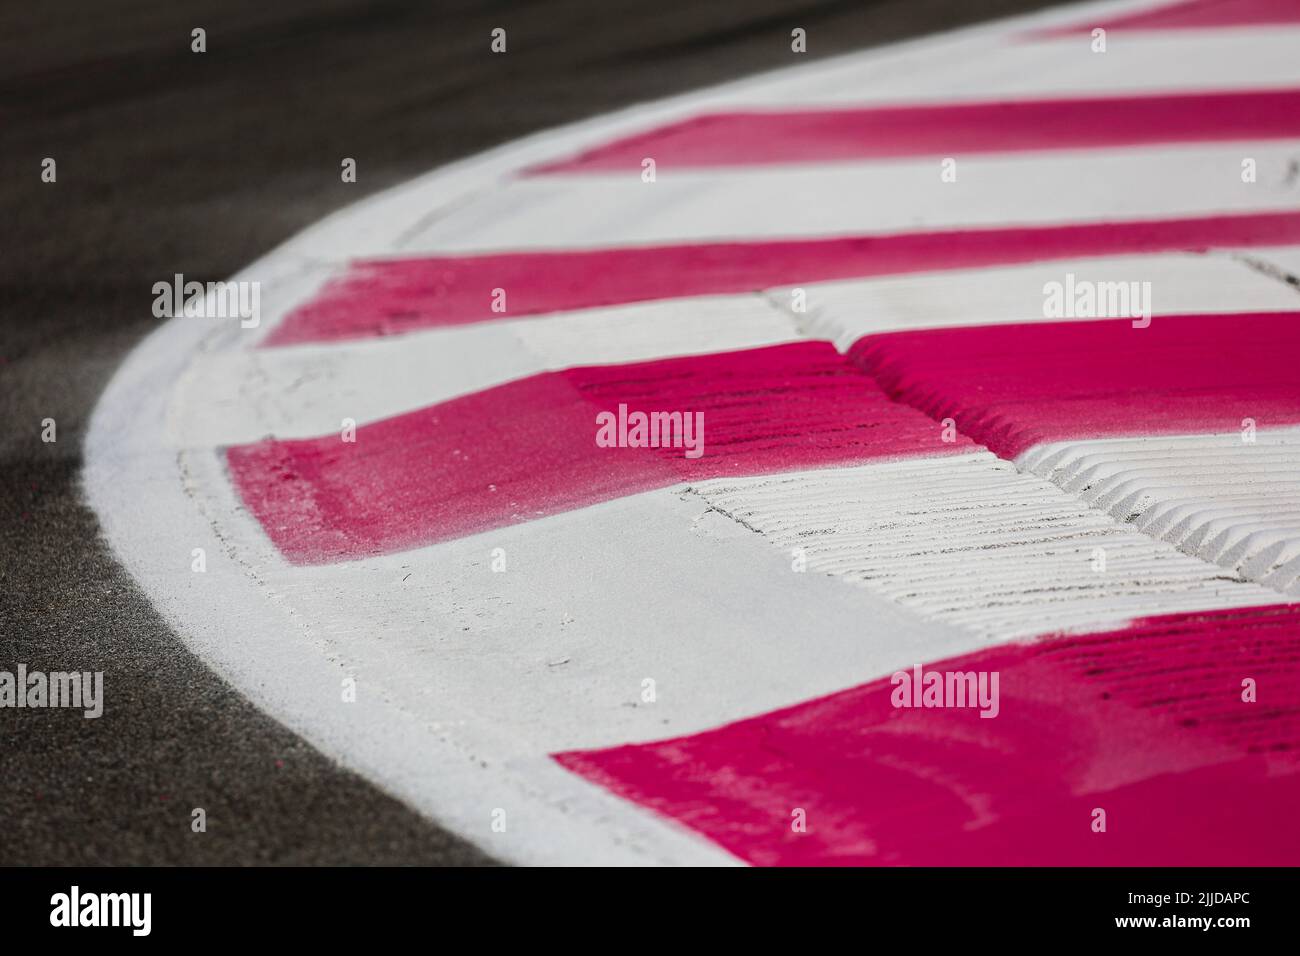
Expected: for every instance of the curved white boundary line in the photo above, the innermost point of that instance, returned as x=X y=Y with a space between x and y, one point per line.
x=140 y=491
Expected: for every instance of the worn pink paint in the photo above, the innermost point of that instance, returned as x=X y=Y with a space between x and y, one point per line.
x=1146 y=723
x=960 y=129
x=391 y=296
x=528 y=449
x=1014 y=386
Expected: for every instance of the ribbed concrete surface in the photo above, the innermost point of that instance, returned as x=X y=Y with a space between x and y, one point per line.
x=1219 y=498
x=973 y=542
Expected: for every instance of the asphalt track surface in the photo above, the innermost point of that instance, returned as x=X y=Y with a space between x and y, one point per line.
x=171 y=162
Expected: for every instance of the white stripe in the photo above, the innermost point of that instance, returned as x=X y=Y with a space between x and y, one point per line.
x=1134 y=64
x=1180 y=284
x=589 y=211
x=227 y=398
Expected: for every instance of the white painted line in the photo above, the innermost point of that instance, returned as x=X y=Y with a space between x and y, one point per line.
x=589 y=211
x=1147 y=63
x=1188 y=283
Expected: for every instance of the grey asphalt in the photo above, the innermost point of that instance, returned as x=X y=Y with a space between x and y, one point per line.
x=170 y=161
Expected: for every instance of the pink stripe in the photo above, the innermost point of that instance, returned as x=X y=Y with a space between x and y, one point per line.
x=386 y=297
x=889 y=132
x=1146 y=723
x=1014 y=386
x=1195 y=14
x=528 y=449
